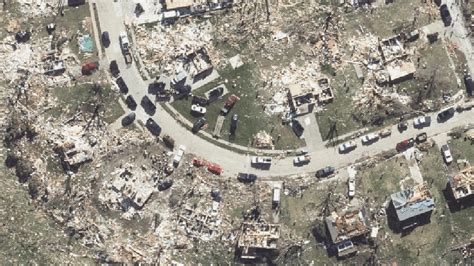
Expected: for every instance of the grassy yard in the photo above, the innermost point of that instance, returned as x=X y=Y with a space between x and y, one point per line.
x=383 y=20
x=462 y=149
x=339 y=112
x=82 y=97
x=245 y=83
x=434 y=62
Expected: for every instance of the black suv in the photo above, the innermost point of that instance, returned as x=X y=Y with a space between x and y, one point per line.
x=122 y=86
x=446 y=114
x=246 y=178
x=148 y=105
x=114 y=69
x=154 y=128
x=198 y=124
x=445 y=15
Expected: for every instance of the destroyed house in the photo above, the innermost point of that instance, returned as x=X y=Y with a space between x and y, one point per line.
x=196 y=6
x=462 y=184
x=411 y=207
x=347 y=225
x=257 y=236
x=302 y=97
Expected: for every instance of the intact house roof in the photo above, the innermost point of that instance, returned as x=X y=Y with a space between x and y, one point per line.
x=347 y=225
x=462 y=184
x=413 y=202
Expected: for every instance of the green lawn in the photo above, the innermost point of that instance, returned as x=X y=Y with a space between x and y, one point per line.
x=243 y=82
x=81 y=97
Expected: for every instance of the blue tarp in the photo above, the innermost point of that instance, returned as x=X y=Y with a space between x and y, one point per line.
x=86 y=44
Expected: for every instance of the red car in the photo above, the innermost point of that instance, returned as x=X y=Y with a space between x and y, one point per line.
x=214 y=168
x=401 y=146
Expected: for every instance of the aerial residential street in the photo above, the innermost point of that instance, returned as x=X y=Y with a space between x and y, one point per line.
x=234 y=162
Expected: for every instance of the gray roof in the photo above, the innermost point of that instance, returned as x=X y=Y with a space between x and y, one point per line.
x=406 y=209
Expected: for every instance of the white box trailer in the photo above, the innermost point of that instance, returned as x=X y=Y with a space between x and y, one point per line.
x=276 y=197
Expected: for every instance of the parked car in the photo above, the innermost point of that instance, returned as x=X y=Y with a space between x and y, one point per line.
x=445 y=15
x=156 y=87
x=369 y=138
x=164 y=184
x=122 y=86
x=297 y=127
x=246 y=178
x=114 y=69
x=404 y=145
x=233 y=123
x=469 y=84
x=130 y=102
x=215 y=94
x=351 y=187
x=446 y=114
x=105 y=39
x=179 y=155
x=153 y=127
x=422 y=137
x=198 y=124
x=200 y=100
x=402 y=126
x=347 y=146
x=448 y=157
x=385 y=132
x=148 y=105
x=261 y=160
x=325 y=172
x=128 y=119
x=179 y=79
x=302 y=159
x=422 y=121
x=229 y=104
x=198 y=109
x=168 y=141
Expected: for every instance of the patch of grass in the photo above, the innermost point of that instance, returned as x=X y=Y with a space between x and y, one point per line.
x=462 y=149
x=82 y=97
x=243 y=82
x=340 y=111
x=434 y=62
x=381 y=181
x=383 y=20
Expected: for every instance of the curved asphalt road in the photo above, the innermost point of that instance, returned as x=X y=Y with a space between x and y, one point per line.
x=112 y=17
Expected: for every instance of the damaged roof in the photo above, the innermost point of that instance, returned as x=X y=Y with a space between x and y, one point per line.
x=412 y=202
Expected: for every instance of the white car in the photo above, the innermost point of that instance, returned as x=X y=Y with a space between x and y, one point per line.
x=369 y=138
x=261 y=160
x=301 y=159
x=448 y=157
x=179 y=154
x=198 y=109
x=352 y=186
x=124 y=42
x=348 y=146
x=422 y=121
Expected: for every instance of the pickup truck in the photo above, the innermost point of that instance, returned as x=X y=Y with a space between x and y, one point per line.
x=302 y=159
x=125 y=46
x=229 y=104
x=347 y=147
x=422 y=121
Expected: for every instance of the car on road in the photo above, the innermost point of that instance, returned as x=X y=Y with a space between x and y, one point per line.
x=148 y=105
x=124 y=42
x=351 y=187
x=128 y=119
x=446 y=114
x=153 y=127
x=369 y=138
x=122 y=86
x=302 y=159
x=179 y=155
x=198 y=109
x=198 y=124
x=422 y=121
x=325 y=172
x=114 y=69
x=105 y=39
x=246 y=178
x=445 y=15
x=297 y=128
x=469 y=84
x=261 y=160
x=130 y=102
x=448 y=157
x=404 y=145
x=347 y=146
x=422 y=137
